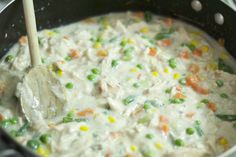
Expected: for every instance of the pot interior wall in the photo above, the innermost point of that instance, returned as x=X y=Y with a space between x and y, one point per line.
x=52 y=13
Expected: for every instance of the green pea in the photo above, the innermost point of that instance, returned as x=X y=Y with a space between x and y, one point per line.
x=179 y=142
x=123 y=43
x=69 y=85
x=205 y=101
x=182 y=81
x=168 y=90
x=13 y=120
x=33 y=144
x=146 y=106
x=67 y=119
x=128 y=100
x=149 y=136
x=190 y=131
x=176 y=101
x=114 y=63
x=148 y=16
x=96 y=71
x=68 y=58
x=172 y=63
x=91 y=77
x=140 y=66
x=9 y=58
x=45 y=138
x=219 y=83
x=224 y=96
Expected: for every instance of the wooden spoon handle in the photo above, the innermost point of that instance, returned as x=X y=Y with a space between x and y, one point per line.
x=32 y=32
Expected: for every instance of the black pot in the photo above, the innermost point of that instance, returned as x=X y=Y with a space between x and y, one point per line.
x=53 y=13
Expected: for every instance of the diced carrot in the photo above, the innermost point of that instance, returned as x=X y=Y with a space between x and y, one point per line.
x=130 y=155
x=1 y=117
x=23 y=40
x=74 y=53
x=194 y=68
x=152 y=52
x=212 y=106
x=166 y=42
x=163 y=118
x=184 y=55
x=108 y=154
x=66 y=37
x=139 y=14
x=168 y=22
x=193 y=81
x=86 y=112
x=165 y=128
x=200 y=89
x=190 y=114
x=180 y=96
x=197 y=52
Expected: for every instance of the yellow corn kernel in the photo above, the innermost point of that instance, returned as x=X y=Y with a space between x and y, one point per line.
x=222 y=141
x=224 y=56
x=131 y=41
x=166 y=70
x=155 y=73
x=84 y=128
x=43 y=152
x=195 y=42
x=205 y=48
x=111 y=119
x=59 y=72
x=133 y=148
x=97 y=45
x=213 y=66
x=158 y=145
x=102 y=53
x=144 y=30
x=176 y=76
x=134 y=70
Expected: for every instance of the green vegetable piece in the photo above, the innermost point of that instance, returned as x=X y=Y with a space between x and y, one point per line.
x=148 y=16
x=225 y=117
x=128 y=54
x=68 y=58
x=140 y=66
x=168 y=90
x=67 y=119
x=69 y=85
x=149 y=136
x=146 y=106
x=224 y=96
x=43 y=60
x=151 y=103
x=114 y=63
x=136 y=85
x=165 y=34
x=5 y=123
x=33 y=144
x=179 y=142
x=176 y=101
x=23 y=129
x=91 y=77
x=13 y=120
x=80 y=120
x=198 y=128
x=45 y=138
x=205 y=101
x=144 y=120
x=191 y=47
x=190 y=131
x=123 y=43
x=219 y=83
x=172 y=63
x=128 y=100
x=148 y=153
x=96 y=71
x=224 y=67
x=182 y=81
x=9 y=58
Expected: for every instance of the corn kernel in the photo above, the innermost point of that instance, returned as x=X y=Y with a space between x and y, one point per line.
x=102 y=53
x=213 y=66
x=144 y=30
x=84 y=128
x=131 y=41
x=223 y=141
x=134 y=70
x=133 y=148
x=224 y=56
x=59 y=72
x=43 y=152
x=176 y=76
x=166 y=70
x=158 y=145
x=111 y=119
x=155 y=73
x=205 y=48
x=195 y=42
x=97 y=45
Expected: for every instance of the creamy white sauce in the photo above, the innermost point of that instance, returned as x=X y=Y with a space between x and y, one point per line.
x=124 y=109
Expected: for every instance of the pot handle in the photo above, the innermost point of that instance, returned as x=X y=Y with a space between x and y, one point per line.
x=4 y=4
